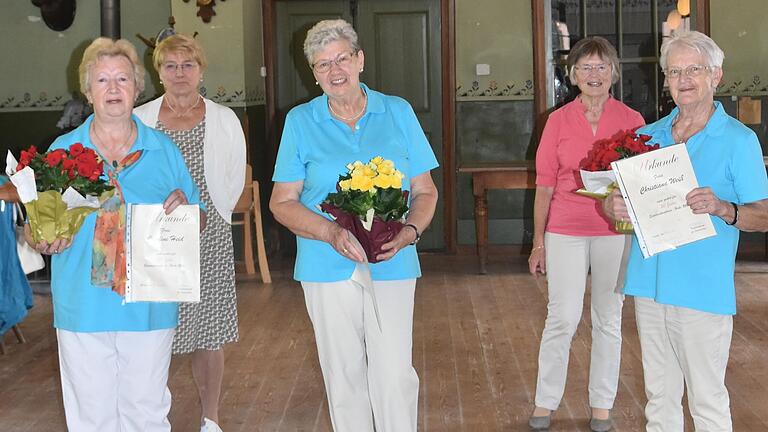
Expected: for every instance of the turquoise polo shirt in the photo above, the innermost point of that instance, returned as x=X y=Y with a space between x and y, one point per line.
x=79 y=306
x=316 y=148
x=727 y=158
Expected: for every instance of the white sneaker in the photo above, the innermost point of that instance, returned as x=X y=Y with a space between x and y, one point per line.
x=210 y=426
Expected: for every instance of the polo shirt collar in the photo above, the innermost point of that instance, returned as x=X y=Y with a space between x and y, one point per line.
x=320 y=111
x=144 y=140
x=715 y=124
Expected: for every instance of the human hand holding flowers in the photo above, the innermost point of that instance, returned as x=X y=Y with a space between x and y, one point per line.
x=369 y=203
x=59 y=189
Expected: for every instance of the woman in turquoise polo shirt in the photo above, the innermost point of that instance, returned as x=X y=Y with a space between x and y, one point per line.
x=114 y=356
x=367 y=368
x=685 y=298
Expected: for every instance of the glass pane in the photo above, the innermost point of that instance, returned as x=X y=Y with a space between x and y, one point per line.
x=601 y=20
x=669 y=17
x=566 y=26
x=637 y=81
x=637 y=25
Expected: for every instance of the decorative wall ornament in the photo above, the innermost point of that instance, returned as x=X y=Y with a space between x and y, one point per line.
x=27 y=101
x=754 y=87
x=205 y=9
x=58 y=15
x=493 y=89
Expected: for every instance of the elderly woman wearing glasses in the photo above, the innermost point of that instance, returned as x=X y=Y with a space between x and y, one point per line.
x=369 y=377
x=685 y=298
x=211 y=139
x=571 y=237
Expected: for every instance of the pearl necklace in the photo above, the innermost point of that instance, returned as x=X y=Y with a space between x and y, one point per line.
x=180 y=115
x=349 y=119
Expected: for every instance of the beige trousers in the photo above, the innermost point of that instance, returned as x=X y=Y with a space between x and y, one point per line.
x=683 y=346
x=569 y=260
x=367 y=369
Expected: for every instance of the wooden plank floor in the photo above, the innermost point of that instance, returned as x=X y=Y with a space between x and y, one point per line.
x=475 y=349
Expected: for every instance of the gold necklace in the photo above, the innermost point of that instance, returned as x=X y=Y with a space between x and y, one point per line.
x=103 y=143
x=180 y=115
x=349 y=119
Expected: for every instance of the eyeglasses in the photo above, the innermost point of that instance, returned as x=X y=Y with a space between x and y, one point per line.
x=185 y=67
x=342 y=60
x=600 y=68
x=691 y=71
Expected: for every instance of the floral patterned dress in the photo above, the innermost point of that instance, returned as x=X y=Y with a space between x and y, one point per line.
x=213 y=322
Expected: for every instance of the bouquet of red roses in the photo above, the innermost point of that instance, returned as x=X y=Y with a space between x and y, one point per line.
x=596 y=174
x=370 y=203
x=59 y=189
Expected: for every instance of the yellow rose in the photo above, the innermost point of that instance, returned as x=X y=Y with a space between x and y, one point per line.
x=361 y=183
x=382 y=181
x=377 y=160
x=386 y=167
x=368 y=172
x=397 y=181
x=345 y=184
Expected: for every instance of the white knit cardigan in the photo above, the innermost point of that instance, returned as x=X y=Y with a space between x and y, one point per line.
x=224 y=154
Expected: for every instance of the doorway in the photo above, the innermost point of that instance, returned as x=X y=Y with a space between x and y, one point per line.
x=403 y=44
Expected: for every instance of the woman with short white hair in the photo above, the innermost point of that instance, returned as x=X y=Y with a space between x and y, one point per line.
x=685 y=298
x=368 y=369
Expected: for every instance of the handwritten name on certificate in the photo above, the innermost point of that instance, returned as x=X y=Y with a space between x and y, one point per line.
x=163 y=254
x=654 y=186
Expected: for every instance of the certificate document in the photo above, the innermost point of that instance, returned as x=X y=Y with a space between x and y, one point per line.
x=162 y=253
x=654 y=186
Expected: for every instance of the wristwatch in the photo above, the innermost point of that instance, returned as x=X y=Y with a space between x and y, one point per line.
x=416 y=230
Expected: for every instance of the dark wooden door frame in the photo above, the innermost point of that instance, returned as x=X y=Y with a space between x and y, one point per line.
x=540 y=59
x=448 y=67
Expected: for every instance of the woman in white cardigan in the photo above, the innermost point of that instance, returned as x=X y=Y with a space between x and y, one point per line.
x=212 y=142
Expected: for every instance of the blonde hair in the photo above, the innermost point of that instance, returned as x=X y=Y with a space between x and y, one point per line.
x=106 y=47
x=327 y=31
x=179 y=43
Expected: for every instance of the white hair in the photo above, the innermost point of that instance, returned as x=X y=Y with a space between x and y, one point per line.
x=694 y=40
x=328 y=31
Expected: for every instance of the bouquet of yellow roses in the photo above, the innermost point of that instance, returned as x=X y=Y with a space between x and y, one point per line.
x=370 y=203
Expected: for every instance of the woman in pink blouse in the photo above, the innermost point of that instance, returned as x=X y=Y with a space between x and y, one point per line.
x=571 y=237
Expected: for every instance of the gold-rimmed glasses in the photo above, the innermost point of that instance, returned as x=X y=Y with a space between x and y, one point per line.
x=342 y=60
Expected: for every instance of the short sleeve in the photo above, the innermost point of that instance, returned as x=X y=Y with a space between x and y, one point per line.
x=288 y=165
x=421 y=156
x=748 y=168
x=547 y=164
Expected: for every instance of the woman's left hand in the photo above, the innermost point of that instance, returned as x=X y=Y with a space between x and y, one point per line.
x=404 y=238
x=44 y=247
x=175 y=199
x=703 y=201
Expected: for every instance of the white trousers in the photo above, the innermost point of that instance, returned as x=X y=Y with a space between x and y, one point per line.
x=680 y=347
x=368 y=373
x=569 y=259
x=116 y=381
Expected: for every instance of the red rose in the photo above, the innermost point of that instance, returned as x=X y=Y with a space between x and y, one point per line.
x=33 y=150
x=75 y=149
x=68 y=164
x=55 y=157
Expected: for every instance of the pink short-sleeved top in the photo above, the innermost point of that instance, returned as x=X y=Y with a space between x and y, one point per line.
x=566 y=139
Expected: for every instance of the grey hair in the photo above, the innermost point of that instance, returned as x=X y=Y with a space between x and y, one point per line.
x=594 y=45
x=328 y=31
x=697 y=41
